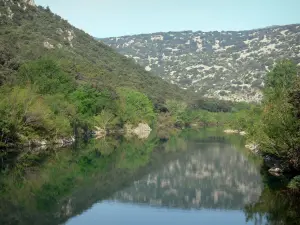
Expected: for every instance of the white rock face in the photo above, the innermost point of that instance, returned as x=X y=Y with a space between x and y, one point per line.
x=99 y=132
x=10 y=14
x=142 y=131
x=30 y=2
x=70 y=36
x=157 y=38
x=253 y=147
x=59 y=31
x=48 y=45
x=148 y=68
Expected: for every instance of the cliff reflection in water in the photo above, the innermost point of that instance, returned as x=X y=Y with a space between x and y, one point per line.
x=211 y=175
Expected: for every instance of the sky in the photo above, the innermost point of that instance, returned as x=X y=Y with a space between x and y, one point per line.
x=111 y=18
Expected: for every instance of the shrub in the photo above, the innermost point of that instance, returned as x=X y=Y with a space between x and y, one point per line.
x=134 y=106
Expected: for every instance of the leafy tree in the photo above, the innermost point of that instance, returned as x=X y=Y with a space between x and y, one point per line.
x=25 y=114
x=279 y=80
x=105 y=119
x=277 y=129
x=176 y=107
x=90 y=101
x=47 y=76
x=134 y=106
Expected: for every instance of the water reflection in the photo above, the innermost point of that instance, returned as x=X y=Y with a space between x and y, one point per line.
x=194 y=176
x=213 y=175
x=276 y=203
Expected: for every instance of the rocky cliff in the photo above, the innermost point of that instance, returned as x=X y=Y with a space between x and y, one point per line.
x=228 y=65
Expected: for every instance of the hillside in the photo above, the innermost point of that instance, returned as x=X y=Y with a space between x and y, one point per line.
x=29 y=32
x=57 y=82
x=229 y=65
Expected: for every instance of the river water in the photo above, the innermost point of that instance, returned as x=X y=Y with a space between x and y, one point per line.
x=196 y=177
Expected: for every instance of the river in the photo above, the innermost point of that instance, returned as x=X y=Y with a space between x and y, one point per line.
x=195 y=177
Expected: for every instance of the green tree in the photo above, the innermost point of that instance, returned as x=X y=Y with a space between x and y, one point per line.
x=277 y=130
x=134 y=106
x=280 y=80
x=47 y=76
x=176 y=107
x=105 y=119
x=26 y=115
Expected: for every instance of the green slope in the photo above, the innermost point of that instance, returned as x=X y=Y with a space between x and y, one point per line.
x=57 y=80
x=29 y=32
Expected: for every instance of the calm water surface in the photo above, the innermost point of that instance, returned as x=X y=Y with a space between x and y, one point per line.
x=198 y=177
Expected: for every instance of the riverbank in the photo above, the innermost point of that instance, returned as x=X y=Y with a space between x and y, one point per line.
x=275 y=166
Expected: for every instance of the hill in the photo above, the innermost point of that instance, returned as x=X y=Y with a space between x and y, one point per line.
x=29 y=32
x=228 y=65
x=57 y=81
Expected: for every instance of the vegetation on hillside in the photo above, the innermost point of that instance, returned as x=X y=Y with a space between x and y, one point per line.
x=57 y=81
x=36 y=32
x=274 y=125
x=46 y=103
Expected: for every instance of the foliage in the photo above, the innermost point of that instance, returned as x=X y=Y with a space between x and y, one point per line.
x=105 y=119
x=134 y=106
x=294 y=183
x=26 y=114
x=44 y=188
x=246 y=119
x=215 y=105
x=71 y=77
x=275 y=126
x=275 y=206
x=176 y=107
x=79 y=55
x=47 y=76
x=279 y=81
x=90 y=101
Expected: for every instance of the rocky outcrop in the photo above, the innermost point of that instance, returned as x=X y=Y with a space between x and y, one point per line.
x=275 y=171
x=99 y=132
x=30 y=2
x=276 y=165
x=48 y=45
x=70 y=36
x=142 y=131
x=253 y=147
x=229 y=131
x=9 y=4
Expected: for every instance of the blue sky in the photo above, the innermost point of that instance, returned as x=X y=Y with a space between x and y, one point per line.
x=107 y=18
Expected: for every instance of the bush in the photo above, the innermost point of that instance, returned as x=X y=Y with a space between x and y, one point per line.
x=47 y=76
x=277 y=128
x=134 y=107
x=25 y=114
